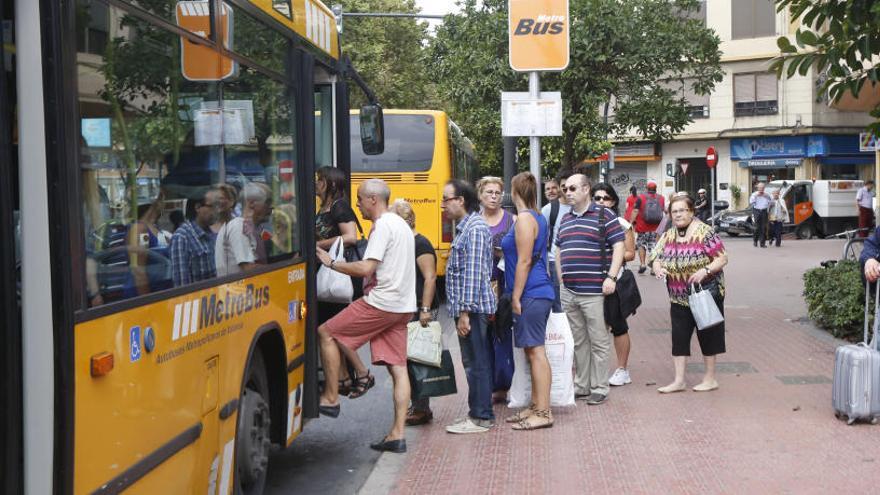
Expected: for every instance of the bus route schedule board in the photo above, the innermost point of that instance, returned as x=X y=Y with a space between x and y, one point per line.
x=538 y=35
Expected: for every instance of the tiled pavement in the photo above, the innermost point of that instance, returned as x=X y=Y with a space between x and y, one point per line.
x=768 y=429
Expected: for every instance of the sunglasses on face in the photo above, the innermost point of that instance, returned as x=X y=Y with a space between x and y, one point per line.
x=571 y=188
x=601 y=198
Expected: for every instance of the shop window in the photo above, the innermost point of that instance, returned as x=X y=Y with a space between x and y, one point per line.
x=840 y=172
x=755 y=94
x=753 y=18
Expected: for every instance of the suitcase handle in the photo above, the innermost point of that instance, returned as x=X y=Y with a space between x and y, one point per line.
x=873 y=342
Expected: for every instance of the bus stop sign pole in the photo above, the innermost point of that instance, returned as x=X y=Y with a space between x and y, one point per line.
x=538 y=36
x=535 y=141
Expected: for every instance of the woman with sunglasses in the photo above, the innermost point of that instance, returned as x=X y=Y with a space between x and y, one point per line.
x=531 y=297
x=690 y=253
x=605 y=195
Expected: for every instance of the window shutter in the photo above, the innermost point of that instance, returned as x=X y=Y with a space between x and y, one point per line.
x=744 y=88
x=693 y=98
x=766 y=87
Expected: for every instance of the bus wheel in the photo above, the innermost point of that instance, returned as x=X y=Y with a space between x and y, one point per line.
x=805 y=230
x=253 y=437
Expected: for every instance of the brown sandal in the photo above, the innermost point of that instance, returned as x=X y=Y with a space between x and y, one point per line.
x=525 y=425
x=521 y=415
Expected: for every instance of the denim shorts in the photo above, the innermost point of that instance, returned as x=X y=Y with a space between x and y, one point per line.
x=530 y=328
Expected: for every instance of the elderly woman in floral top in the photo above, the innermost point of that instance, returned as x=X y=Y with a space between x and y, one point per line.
x=690 y=253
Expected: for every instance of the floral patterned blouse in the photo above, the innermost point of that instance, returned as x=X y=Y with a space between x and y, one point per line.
x=684 y=258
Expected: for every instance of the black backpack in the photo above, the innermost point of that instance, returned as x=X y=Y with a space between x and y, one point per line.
x=554 y=212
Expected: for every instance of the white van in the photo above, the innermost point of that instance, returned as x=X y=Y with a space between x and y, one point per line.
x=819 y=207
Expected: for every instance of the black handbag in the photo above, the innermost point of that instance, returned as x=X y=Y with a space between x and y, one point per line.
x=626 y=289
x=429 y=381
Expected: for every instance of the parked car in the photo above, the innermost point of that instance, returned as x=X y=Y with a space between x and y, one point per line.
x=736 y=223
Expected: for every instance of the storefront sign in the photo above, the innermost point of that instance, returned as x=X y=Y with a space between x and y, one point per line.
x=768 y=147
x=777 y=163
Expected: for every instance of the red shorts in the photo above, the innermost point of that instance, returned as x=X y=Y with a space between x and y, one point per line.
x=360 y=323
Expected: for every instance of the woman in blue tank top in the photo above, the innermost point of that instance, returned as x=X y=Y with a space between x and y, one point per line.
x=531 y=294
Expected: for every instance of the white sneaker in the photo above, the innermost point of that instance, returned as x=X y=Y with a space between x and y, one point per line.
x=467 y=425
x=620 y=377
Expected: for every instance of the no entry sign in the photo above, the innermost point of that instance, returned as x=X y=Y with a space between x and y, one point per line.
x=711 y=157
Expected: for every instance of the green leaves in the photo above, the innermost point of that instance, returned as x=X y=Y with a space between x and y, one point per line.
x=621 y=50
x=835 y=298
x=842 y=38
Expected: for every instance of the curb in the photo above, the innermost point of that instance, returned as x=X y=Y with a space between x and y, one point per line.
x=387 y=469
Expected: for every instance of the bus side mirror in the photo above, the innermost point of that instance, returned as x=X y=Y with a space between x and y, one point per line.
x=372 y=129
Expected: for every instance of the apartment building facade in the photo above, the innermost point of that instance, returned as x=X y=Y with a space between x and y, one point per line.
x=761 y=127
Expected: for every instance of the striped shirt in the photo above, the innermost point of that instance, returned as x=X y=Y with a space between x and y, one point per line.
x=192 y=254
x=469 y=268
x=580 y=249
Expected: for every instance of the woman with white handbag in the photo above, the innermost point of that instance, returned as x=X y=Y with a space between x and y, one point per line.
x=426 y=294
x=691 y=258
x=335 y=220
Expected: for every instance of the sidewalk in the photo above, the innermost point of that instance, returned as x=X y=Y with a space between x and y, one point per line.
x=768 y=429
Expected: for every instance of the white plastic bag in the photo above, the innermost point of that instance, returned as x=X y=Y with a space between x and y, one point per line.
x=559 y=347
x=334 y=287
x=423 y=344
x=703 y=307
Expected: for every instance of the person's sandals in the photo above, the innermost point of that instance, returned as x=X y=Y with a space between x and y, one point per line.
x=416 y=417
x=521 y=415
x=361 y=384
x=345 y=386
x=529 y=423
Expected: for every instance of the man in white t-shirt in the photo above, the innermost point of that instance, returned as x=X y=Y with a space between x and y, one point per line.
x=240 y=246
x=381 y=316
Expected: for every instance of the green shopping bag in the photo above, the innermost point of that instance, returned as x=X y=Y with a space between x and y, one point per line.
x=429 y=381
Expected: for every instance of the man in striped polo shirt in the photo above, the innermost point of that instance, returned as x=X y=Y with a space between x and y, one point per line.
x=585 y=281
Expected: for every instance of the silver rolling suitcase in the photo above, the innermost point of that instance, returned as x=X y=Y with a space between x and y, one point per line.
x=856 y=388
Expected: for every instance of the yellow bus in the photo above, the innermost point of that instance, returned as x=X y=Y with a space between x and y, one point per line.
x=423 y=150
x=128 y=365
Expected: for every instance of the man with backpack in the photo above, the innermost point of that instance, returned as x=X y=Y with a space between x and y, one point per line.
x=646 y=215
x=553 y=213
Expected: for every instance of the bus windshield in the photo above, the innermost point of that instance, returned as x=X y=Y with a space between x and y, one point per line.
x=409 y=145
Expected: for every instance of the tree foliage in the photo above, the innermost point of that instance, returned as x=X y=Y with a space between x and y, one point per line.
x=637 y=53
x=389 y=53
x=841 y=39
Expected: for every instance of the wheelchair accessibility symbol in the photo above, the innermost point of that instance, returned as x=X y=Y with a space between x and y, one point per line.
x=135 y=344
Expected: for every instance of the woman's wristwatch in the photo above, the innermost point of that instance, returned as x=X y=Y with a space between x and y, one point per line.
x=425 y=309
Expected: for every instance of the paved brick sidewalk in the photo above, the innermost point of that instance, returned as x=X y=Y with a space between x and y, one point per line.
x=768 y=429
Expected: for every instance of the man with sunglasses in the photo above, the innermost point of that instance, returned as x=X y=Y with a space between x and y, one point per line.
x=585 y=283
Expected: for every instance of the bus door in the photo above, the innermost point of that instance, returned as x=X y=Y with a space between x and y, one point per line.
x=10 y=330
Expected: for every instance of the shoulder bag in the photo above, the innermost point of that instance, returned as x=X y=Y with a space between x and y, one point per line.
x=626 y=298
x=356 y=253
x=333 y=286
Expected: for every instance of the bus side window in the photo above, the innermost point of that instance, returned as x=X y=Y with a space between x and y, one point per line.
x=146 y=152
